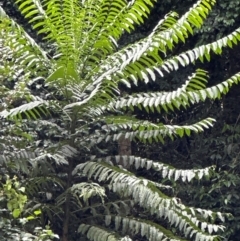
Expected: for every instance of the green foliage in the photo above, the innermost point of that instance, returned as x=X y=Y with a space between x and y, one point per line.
x=13 y=226
x=60 y=107
x=15 y=199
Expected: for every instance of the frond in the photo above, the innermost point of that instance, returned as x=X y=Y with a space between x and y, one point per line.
x=30 y=162
x=193 y=91
x=17 y=160
x=67 y=151
x=106 y=172
x=146 y=131
x=115 y=17
x=165 y=100
x=177 y=214
x=84 y=191
x=95 y=233
x=216 y=47
x=127 y=16
x=167 y=171
x=38 y=184
x=21 y=33
x=81 y=193
x=16 y=141
x=21 y=53
x=201 y=52
x=45 y=158
x=149 y=197
x=127 y=161
x=48 y=17
x=31 y=110
x=148 y=229
x=158 y=40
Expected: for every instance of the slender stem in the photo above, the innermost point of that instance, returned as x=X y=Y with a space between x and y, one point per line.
x=67 y=205
x=69 y=184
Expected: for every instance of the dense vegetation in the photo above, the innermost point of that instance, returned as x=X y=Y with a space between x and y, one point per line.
x=88 y=150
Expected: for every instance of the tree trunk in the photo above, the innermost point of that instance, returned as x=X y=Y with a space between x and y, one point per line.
x=124 y=149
